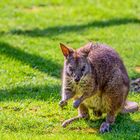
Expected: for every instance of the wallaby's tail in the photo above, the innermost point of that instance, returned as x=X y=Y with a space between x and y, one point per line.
x=130 y=107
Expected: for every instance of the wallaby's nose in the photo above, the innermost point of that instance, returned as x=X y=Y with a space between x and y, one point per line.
x=77 y=79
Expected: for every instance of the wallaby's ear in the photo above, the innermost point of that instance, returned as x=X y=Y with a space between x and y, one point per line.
x=86 y=49
x=66 y=50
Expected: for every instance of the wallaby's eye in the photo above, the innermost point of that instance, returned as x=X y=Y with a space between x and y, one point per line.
x=83 y=68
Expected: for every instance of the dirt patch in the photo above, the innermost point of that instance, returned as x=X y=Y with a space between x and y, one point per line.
x=87 y=130
x=33 y=9
x=90 y=130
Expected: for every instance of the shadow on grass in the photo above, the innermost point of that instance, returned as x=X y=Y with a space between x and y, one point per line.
x=35 y=61
x=124 y=128
x=43 y=93
x=56 y=30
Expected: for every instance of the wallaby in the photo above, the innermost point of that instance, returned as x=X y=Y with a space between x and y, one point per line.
x=96 y=78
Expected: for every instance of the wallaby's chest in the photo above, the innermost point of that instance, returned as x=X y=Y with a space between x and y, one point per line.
x=97 y=101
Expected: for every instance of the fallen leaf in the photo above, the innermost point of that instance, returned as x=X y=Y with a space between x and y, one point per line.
x=137 y=69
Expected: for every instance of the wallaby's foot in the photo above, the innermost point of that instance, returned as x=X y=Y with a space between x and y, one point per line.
x=104 y=127
x=97 y=113
x=82 y=114
x=110 y=119
x=130 y=107
x=67 y=122
x=62 y=103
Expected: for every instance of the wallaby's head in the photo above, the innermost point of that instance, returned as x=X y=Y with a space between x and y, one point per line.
x=77 y=65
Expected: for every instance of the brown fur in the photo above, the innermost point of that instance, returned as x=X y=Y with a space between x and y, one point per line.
x=96 y=78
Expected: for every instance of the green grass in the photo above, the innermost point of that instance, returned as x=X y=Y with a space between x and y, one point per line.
x=31 y=64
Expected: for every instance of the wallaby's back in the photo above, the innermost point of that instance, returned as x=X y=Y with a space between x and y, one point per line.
x=106 y=61
x=110 y=74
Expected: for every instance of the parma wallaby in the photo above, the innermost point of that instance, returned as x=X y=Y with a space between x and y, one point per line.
x=96 y=78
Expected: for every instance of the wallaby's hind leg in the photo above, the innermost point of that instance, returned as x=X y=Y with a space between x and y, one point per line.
x=130 y=107
x=110 y=119
x=82 y=114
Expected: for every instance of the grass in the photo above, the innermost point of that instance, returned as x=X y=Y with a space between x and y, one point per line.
x=31 y=63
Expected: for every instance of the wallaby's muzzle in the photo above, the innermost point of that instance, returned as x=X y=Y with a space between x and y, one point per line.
x=77 y=79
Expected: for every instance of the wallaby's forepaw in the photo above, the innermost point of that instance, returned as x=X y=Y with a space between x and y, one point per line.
x=76 y=103
x=62 y=103
x=104 y=127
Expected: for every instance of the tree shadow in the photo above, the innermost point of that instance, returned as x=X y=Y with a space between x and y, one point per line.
x=57 y=30
x=124 y=128
x=44 y=93
x=44 y=65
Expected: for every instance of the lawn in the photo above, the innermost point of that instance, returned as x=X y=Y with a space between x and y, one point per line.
x=31 y=63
